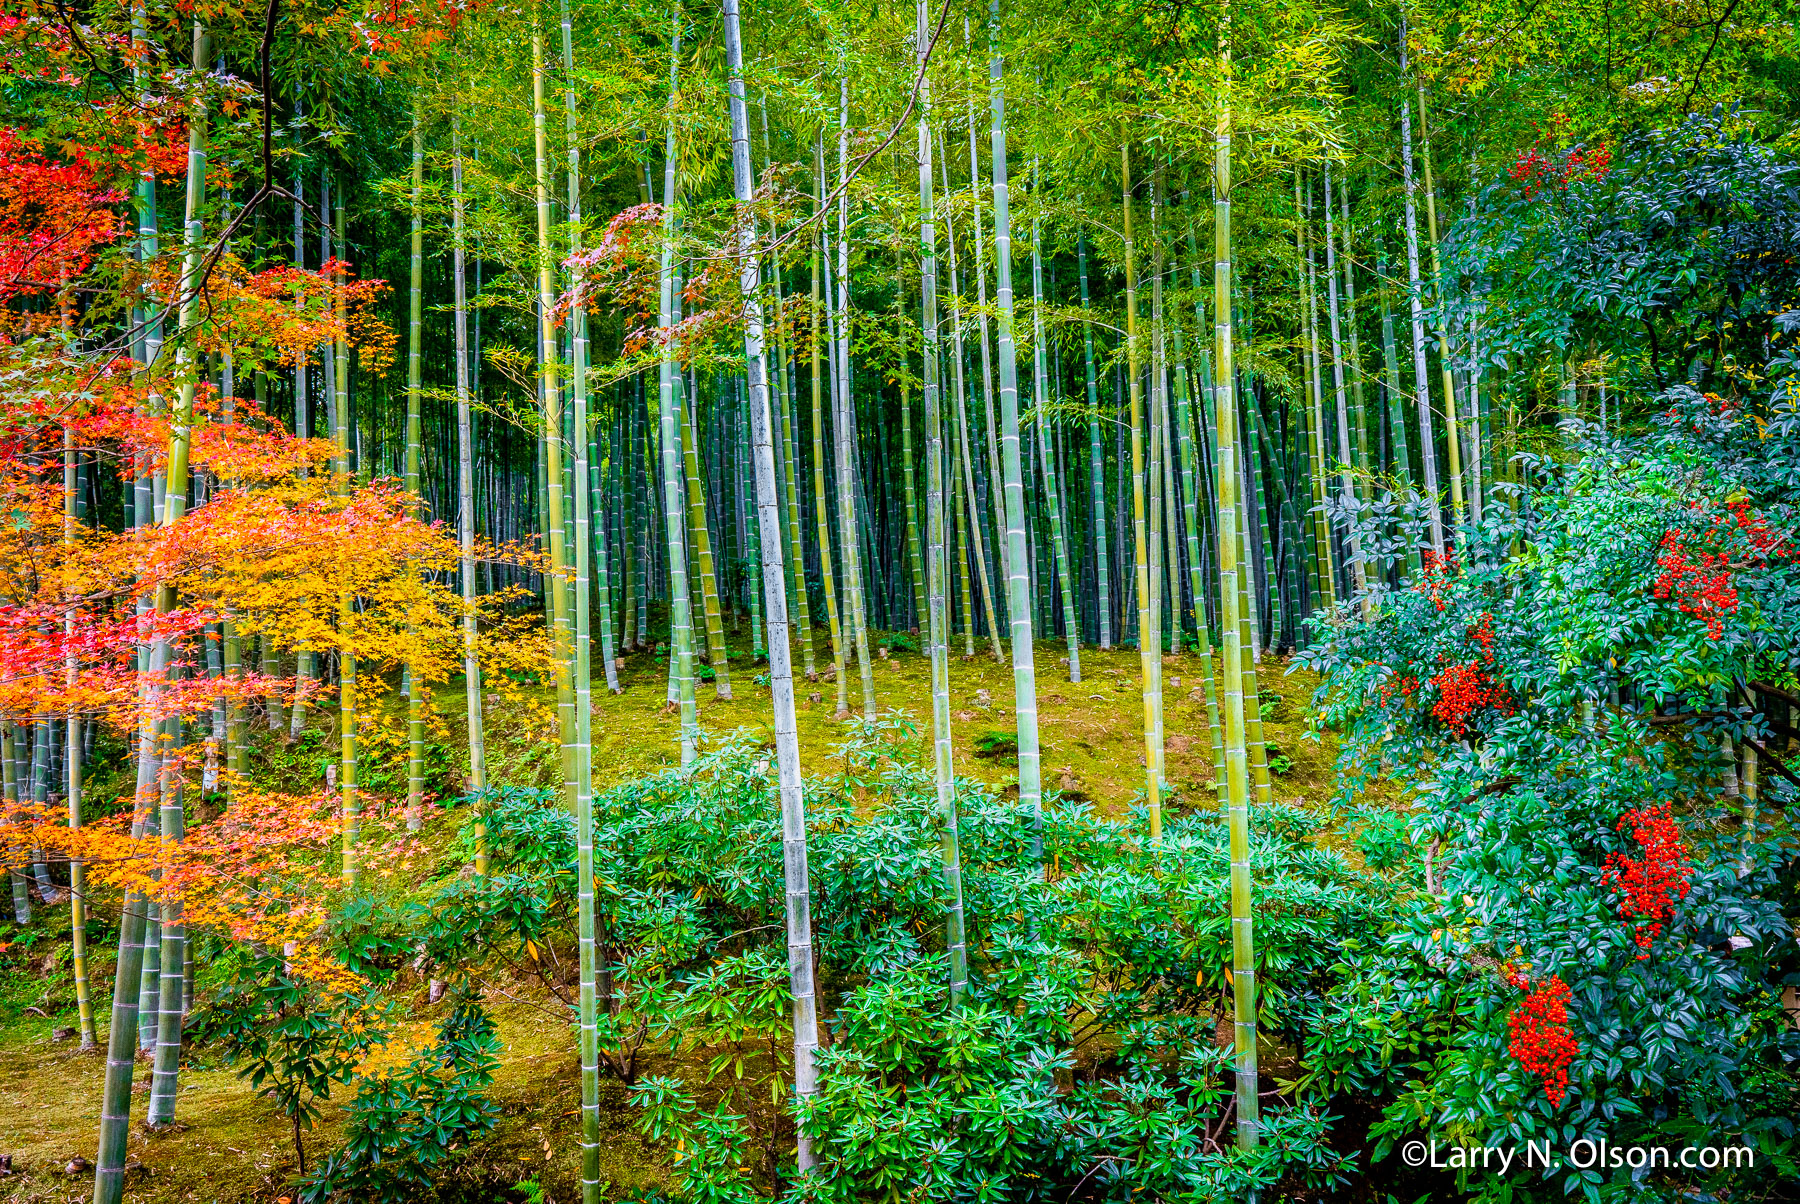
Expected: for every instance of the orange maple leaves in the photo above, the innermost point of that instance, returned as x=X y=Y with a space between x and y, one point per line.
x=259 y=873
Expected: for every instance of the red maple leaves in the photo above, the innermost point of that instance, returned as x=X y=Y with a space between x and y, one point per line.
x=52 y=217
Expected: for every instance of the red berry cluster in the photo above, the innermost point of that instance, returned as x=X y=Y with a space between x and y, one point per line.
x=1482 y=635
x=1463 y=690
x=1542 y=1041
x=1698 y=581
x=1435 y=571
x=1652 y=883
x=1535 y=170
x=1765 y=542
x=1406 y=685
x=1467 y=688
x=1695 y=568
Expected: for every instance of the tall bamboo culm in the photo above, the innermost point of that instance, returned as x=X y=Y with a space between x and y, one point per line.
x=122 y=1030
x=1231 y=564
x=781 y=669
x=937 y=623
x=415 y=690
x=1018 y=552
x=581 y=785
x=465 y=500
x=1148 y=652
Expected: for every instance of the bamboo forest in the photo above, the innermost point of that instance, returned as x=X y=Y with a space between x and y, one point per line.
x=712 y=601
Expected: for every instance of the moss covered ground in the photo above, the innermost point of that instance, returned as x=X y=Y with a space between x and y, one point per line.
x=232 y=1146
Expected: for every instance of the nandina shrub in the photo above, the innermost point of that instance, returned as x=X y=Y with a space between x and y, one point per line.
x=1577 y=831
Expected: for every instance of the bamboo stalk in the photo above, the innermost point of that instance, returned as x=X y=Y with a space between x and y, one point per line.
x=1415 y=297
x=465 y=503
x=781 y=672
x=680 y=614
x=1017 y=554
x=1243 y=960
x=1149 y=660
x=415 y=690
x=937 y=626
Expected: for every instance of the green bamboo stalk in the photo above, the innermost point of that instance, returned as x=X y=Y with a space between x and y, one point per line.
x=848 y=528
x=820 y=507
x=1041 y=404
x=1190 y=481
x=1452 y=427
x=465 y=502
x=996 y=509
x=304 y=660
x=1149 y=660
x=1018 y=586
x=109 y=1170
x=781 y=671
x=1243 y=949
x=1258 y=750
x=1346 y=482
x=556 y=593
x=908 y=473
x=968 y=506
x=1357 y=374
x=1258 y=471
x=1400 y=470
x=790 y=455
x=938 y=627
x=582 y=785
x=352 y=801
x=1154 y=425
x=1315 y=420
x=624 y=485
x=600 y=472
x=1415 y=296
x=959 y=511
x=84 y=1007
x=21 y=888
x=700 y=540
x=1096 y=456
x=415 y=690
x=680 y=615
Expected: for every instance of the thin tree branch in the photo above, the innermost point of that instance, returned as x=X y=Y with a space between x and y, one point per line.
x=912 y=99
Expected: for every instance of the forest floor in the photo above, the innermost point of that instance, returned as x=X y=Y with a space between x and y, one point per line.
x=230 y=1147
